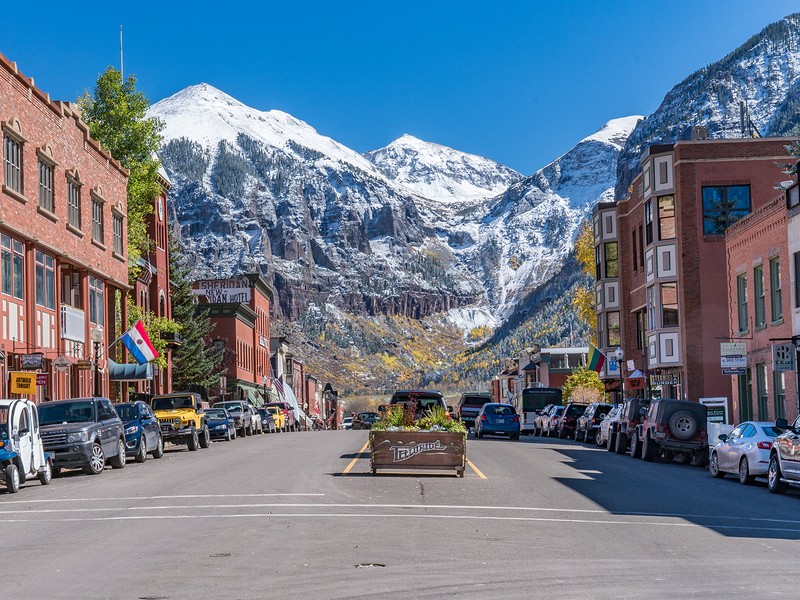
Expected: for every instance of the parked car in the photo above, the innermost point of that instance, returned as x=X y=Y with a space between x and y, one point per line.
x=784 y=458
x=364 y=420
x=22 y=452
x=290 y=419
x=221 y=424
x=632 y=413
x=603 y=434
x=82 y=433
x=673 y=428
x=277 y=416
x=181 y=416
x=267 y=422
x=744 y=451
x=497 y=419
x=421 y=400
x=347 y=423
x=550 y=420
x=142 y=431
x=242 y=417
x=255 y=418
x=588 y=424
x=470 y=405
x=568 y=420
x=538 y=421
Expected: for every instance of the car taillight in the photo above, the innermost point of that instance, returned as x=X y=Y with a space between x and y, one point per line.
x=516 y=418
x=765 y=445
x=483 y=418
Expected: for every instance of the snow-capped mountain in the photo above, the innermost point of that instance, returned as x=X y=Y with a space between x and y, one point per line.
x=763 y=75
x=441 y=173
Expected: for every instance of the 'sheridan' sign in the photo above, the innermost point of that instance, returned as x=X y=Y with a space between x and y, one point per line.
x=222 y=291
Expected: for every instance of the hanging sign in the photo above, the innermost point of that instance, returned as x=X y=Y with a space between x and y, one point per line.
x=22 y=383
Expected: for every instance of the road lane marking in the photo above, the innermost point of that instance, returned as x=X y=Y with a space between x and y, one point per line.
x=405 y=516
x=478 y=472
x=177 y=496
x=355 y=460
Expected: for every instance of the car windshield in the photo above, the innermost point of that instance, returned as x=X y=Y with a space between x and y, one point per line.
x=273 y=410
x=558 y=411
x=127 y=412
x=66 y=412
x=476 y=400
x=500 y=410
x=173 y=402
x=576 y=410
x=236 y=407
x=369 y=416
x=771 y=431
x=215 y=413
x=3 y=424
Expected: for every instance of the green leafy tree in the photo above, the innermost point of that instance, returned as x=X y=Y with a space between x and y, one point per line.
x=117 y=118
x=196 y=360
x=583 y=300
x=583 y=385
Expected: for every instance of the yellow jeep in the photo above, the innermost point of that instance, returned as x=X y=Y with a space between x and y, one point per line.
x=278 y=417
x=182 y=419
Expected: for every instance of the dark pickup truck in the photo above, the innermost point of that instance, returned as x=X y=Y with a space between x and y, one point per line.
x=470 y=405
x=82 y=433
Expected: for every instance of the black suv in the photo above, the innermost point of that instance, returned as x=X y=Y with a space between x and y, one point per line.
x=673 y=428
x=589 y=422
x=83 y=432
x=568 y=420
x=422 y=400
x=632 y=413
x=470 y=405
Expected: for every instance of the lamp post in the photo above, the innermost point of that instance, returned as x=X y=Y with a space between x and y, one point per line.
x=97 y=338
x=619 y=354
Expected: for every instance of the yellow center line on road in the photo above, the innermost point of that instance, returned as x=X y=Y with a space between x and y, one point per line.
x=355 y=460
x=478 y=472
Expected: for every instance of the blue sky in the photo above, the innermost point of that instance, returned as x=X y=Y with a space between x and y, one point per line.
x=518 y=82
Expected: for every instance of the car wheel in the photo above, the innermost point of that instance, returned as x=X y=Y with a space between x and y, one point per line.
x=234 y=434
x=621 y=443
x=141 y=454
x=611 y=442
x=205 y=437
x=12 y=478
x=774 y=483
x=590 y=437
x=193 y=443
x=601 y=443
x=713 y=466
x=648 y=449
x=561 y=433
x=683 y=425
x=119 y=461
x=228 y=437
x=744 y=472
x=46 y=475
x=636 y=446
x=97 y=461
x=159 y=451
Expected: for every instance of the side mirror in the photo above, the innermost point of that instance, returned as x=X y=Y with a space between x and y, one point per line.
x=781 y=424
x=722 y=437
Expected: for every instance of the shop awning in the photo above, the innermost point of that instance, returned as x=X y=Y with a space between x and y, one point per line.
x=129 y=372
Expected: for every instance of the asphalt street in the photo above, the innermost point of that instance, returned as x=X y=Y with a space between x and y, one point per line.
x=300 y=516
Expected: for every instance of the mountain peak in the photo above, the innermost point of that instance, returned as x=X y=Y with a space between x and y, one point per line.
x=615 y=131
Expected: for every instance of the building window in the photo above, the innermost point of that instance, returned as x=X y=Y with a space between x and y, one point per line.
x=633 y=247
x=745 y=397
x=45 y=280
x=117 y=221
x=762 y=391
x=779 y=387
x=97 y=220
x=648 y=222
x=641 y=329
x=96 y=306
x=612 y=262
x=760 y=297
x=741 y=301
x=597 y=274
x=13 y=163
x=663 y=172
x=723 y=206
x=666 y=217
x=46 y=186
x=641 y=247
x=669 y=304
x=71 y=290
x=612 y=319
x=651 y=308
x=74 y=203
x=12 y=259
x=775 y=289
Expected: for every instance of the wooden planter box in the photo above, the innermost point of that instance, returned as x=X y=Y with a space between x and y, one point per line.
x=418 y=450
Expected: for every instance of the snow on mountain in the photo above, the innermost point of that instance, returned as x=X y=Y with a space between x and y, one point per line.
x=441 y=173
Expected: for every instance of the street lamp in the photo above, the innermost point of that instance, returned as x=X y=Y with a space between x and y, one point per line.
x=619 y=354
x=97 y=338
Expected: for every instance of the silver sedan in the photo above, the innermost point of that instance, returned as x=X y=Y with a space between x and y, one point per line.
x=744 y=451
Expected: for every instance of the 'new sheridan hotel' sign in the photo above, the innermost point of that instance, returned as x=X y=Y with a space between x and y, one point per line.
x=222 y=291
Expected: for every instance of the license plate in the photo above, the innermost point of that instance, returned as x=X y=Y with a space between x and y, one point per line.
x=501 y=420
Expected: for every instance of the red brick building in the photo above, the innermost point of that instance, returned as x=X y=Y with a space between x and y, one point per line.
x=760 y=307
x=63 y=242
x=239 y=311
x=673 y=274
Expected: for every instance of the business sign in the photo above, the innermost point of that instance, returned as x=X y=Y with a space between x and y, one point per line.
x=717 y=409
x=735 y=371
x=669 y=379
x=31 y=361
x=62 y=363
x=222 y=291
x=783 y=357
x=41 y=379
x=22 y=383
x=733 y=355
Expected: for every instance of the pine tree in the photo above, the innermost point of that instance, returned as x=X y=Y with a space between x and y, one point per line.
x=196 y=361
x=117 y=118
